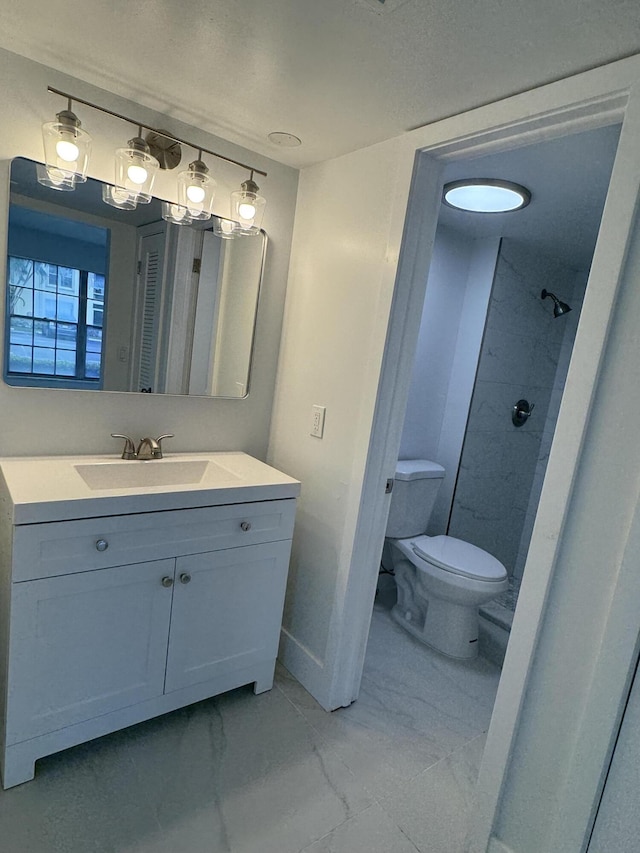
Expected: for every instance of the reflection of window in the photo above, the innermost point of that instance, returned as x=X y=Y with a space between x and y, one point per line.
x=55 y=321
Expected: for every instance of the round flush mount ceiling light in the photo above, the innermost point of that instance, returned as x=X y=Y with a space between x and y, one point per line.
x=486 y=195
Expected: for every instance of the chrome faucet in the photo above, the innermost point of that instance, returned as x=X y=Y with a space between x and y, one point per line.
x=148 y=448
x=129 y=450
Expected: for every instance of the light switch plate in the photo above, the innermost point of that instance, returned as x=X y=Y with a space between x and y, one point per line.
x=317 y=421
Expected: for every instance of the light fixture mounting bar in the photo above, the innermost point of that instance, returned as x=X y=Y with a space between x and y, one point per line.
x=163 y=133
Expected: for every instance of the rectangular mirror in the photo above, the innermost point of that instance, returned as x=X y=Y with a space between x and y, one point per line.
x=120 y=300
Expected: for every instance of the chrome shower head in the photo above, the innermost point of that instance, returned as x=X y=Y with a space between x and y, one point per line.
x=559 y=308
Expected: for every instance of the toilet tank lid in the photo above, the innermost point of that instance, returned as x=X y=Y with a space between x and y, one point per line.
x=418 y=469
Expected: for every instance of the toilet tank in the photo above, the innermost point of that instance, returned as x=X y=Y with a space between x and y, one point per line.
x=415 y=487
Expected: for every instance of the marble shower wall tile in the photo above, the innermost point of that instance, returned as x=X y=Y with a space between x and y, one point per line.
x=491 y=407
x=506 y=357
x=524 y=354
x=570 y=324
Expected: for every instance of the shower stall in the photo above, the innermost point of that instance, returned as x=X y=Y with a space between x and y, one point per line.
x=521 y=372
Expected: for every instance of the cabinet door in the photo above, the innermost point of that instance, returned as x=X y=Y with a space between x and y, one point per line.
x=227 y=612
x=86 y=644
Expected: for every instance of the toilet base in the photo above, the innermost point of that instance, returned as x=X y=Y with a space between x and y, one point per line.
x=451 y=629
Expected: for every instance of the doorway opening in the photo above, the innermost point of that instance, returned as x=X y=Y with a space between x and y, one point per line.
x=490 y=343
x=487 y=341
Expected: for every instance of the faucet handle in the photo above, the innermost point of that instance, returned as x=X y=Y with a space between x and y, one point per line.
x=159 y=439
x=129 y=450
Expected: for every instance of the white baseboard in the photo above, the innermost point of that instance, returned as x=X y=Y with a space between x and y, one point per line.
x=496 y=846
x=308 y=669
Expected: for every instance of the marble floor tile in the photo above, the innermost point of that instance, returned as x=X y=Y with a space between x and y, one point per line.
x=83 y=800
x=433 y=808
x=244 y=774
x=239 y=773
x=372 y=831
x=274 y=773
x=415 y=707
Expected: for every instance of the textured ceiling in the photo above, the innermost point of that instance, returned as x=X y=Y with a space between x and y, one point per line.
x=340 y=74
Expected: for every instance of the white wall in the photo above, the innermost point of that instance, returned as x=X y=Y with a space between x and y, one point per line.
x=449 y=341
x=431 y=376
x=482 y=265
x=341 y=283
x=617 y=827
x=340 y=287
x=44 y=421
x=598 y=530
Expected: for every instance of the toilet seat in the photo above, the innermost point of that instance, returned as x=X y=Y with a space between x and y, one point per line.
x=459 y=558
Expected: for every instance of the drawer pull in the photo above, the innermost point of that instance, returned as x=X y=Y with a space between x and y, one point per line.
x=185 y=577
x=167 y=581
x=245 y=525
x=102 y=545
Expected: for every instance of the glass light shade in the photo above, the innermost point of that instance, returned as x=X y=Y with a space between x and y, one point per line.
x=486 y=195
x=225 y=228
x=136 y=170
x=175 y=213
x=66 y=150
x=119 y=197
x=248 y=207
x=196 y=190
x=55 y=179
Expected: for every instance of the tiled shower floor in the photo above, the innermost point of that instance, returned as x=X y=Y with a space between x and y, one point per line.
x=501 y=609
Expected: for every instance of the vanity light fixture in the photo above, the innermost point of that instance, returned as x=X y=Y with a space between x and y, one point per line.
x=67 y=149
x=225 y=228
x=54 y=179
x=175 y=213
x=119 y=197
x=196 y=190
x=248 y=207
x=136 y=169
x=485 y=195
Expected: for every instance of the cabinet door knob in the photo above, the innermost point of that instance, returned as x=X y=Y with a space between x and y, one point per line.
x=245 y=525
x=102 y=545
x=167 y=581
x=185 y=577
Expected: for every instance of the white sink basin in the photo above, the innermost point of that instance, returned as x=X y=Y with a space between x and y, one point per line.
x=138 y=474
x=54 y=488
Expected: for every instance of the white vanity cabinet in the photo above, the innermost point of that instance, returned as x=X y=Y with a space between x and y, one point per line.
x=84 y=645
x=111 y=620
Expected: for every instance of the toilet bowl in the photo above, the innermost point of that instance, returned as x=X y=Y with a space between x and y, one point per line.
x=441 y=581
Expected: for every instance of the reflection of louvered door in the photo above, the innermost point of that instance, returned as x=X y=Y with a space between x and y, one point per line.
x=149 y=307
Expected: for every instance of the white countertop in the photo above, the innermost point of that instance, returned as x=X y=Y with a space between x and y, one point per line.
x=38 y=489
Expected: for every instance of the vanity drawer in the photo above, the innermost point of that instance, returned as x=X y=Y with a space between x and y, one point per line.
x=66 y=547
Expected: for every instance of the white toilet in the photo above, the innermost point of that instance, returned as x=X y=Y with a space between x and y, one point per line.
x=441 y=581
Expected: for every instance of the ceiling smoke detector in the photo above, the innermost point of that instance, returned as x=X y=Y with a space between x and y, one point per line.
x=382 y=5
x=284 y=140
